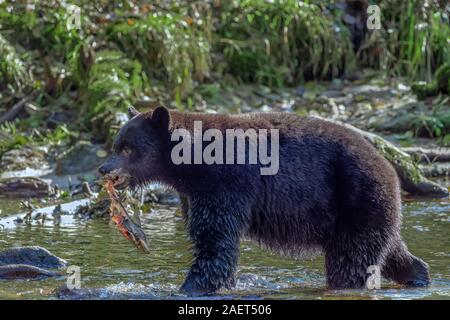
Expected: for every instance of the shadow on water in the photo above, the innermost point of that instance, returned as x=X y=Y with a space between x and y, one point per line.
x=112 y=268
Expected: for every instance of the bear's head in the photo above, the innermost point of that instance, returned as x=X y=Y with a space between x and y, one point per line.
x=138 y=149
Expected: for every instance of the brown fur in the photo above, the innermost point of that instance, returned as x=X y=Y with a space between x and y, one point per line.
x=333 y=190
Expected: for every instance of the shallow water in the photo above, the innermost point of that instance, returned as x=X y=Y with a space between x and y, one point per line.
x=111 y=264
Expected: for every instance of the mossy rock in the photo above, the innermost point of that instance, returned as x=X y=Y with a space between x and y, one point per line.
x=424 y=90
x=441 y=84
x=33 y=256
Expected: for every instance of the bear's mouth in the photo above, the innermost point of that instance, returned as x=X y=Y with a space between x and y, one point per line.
x=119 y=178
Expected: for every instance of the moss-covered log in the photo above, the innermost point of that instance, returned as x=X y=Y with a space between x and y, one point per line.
x=411 y=177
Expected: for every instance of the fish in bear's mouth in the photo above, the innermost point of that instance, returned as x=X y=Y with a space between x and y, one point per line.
x=119 y=215
x=119 y=178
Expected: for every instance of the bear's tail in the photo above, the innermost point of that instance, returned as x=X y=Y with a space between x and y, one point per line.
x=404 y=268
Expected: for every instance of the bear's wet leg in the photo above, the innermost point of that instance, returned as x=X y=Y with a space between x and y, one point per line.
x=215 y=230
x=404 y=268
x=347 y=258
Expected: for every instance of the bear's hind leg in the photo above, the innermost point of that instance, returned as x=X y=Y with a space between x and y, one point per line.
x=404 y=268
x=347 y=258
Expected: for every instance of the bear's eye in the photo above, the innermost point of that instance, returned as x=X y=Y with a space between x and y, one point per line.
x=126 y=151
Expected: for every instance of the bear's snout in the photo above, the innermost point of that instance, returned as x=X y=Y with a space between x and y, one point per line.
x=103 y=169
x=109 y=165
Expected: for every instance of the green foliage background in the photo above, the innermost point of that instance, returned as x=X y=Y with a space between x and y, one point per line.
x=174 y=50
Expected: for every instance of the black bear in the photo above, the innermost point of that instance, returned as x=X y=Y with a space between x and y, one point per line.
x=332 y=191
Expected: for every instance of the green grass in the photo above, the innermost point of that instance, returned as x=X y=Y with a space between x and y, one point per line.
x=282 y=42
x=13 y=70
x=13 y=136
x=416 y=40
x=185 y=49
x=168 y=45
x=439 y=84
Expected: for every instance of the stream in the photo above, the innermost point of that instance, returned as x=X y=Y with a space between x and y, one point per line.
x=112 y=268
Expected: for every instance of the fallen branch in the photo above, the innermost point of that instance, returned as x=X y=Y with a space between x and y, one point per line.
x=437 y=169
x=429 y=155
x=411 y=178
x=12 y=113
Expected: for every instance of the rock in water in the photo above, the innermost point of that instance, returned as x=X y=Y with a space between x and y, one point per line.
x=30 y=187
x=23 y=158
x=80 y=158
x=24 y=271
x=34 y=256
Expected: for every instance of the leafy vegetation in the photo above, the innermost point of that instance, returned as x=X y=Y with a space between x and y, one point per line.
x=415 y=38
x=13 y=137
x=440 y=84
x=180 y=52
x=168 y=46
x=283 y=41
x=13 y=74
x=10 y=138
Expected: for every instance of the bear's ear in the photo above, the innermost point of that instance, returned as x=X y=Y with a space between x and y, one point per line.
x=161 y=117
x=132 y=112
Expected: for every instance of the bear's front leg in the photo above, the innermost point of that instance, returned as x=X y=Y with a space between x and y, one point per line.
x=215 y=231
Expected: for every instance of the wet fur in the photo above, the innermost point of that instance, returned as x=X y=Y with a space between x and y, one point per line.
x=333 y=191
